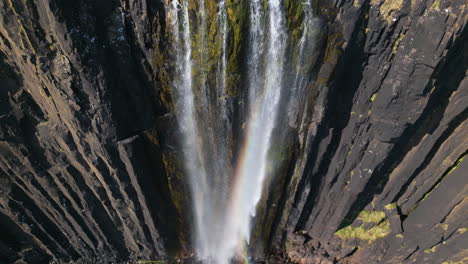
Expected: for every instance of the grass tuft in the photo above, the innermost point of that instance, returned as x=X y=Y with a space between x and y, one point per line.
x=380 y=231
x=371 y=216
x=391 y=206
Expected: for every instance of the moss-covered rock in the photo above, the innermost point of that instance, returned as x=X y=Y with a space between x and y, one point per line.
x=350 y=232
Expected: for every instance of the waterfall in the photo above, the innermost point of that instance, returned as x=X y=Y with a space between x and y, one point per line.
x=225 y=200
x=204 y=147
x=253 y=164
x=256 y=46
x=186 y=112
x=302 y=68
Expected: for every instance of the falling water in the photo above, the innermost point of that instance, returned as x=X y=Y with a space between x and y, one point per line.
x=186 y=113
x=304 y=44
x=210 y=230
x=253 y=164
x=224 y=203
x=256 y=46
x=303 y=64
x=221 y=119
x=209 y=194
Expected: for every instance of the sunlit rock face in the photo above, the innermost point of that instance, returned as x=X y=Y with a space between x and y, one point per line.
x=220 y=131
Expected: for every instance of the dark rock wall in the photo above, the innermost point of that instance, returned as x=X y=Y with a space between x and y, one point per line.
x=384 y=179
x=374 y=171
x=80 y=166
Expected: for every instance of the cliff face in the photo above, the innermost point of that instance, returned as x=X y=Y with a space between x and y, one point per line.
x=372 y=171
x=383 y=179
x=81 y=167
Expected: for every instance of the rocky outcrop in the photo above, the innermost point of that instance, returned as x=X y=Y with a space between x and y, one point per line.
x=372 y=171
x=81 y=168
x=383 y=179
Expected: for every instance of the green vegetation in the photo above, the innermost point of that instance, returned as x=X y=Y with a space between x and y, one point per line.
x=333 y=52
x=462 y=230
x=380 y=231
x=295 y=16
x=391 y=206
x=435 y=6
x=237 y=20
x=457 y=163
x=388 y=8
x=431 y=250
x=165 y=93
x=397 y=42
x=371 y=216
x=443 y=226
x=429 y=193
x=373 y=97
x=399 y=235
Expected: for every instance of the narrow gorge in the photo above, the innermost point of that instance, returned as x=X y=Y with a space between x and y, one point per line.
x=233 y=131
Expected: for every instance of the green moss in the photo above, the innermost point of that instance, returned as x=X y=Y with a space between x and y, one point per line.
x=165 y=93
x=237 y=21
x=333 y=52
x=371 y=216
x=429 y=193
x=388 y=8
x=457 y=163
x=443 y=226
x=391 y=206
x=462 y=230
x=295 y=14
x=435 y=6
x=350 y=232
x=397 y=42
x=399 y=235
x=373 y=97
x=431 y=250
x=205 y=45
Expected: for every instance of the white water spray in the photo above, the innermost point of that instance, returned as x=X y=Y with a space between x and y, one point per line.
x=209 y=194
x=256 y=46
x=253 y=163
x=223 y=207
x=185 y=110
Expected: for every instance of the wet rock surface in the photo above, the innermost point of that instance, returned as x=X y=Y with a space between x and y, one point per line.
x=372 y=171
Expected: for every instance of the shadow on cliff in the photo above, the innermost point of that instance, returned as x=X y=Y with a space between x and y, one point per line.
x=448 y=75
x=345 y=82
